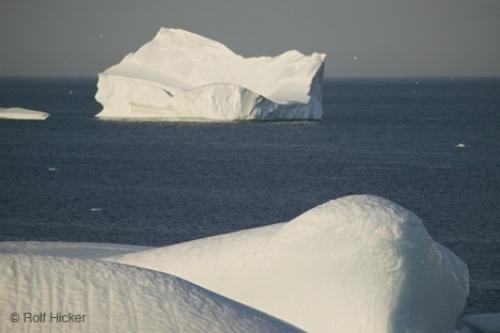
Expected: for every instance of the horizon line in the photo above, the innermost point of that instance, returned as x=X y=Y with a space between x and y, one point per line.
x=328 y=78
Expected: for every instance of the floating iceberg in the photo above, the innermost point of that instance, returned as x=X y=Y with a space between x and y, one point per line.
x=22 y=114
x=183 y=76
x=355 y=264
x=53 y=294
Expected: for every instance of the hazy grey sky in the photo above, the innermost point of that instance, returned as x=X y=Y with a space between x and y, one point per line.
x=388 y=37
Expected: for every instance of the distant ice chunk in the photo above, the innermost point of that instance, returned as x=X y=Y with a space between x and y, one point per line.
x=460 y=145
x=111 y=298
x=22 y=114
x=356 y=264
x=181 y=76
x=466 y=329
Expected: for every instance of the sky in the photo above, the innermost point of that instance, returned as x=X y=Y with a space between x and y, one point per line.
x=362 y=38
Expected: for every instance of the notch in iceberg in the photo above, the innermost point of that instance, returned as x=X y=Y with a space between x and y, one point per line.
x=183 y=76
x=482 y=323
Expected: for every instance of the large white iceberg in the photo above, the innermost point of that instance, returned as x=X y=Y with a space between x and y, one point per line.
x=183 y=76
x=355 y=264
x=53 y=294
x=22 y=114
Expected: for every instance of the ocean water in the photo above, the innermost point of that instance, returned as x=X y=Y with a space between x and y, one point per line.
x=75 y=178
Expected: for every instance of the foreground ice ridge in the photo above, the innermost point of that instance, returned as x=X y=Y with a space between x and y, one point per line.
x=356 y=264
x=183 y=76
x=22 y=114
x=114 y=298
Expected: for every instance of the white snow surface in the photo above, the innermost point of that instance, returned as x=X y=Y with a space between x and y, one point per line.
x=115 y=298
x=70 y=250
x=483 y=323
x=22 y=114
x=183 y=76
x=356 y=264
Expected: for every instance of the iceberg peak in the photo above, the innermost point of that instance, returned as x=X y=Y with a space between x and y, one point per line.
x=180 y=75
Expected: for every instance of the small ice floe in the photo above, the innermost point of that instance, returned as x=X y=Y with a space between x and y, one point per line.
x=70 y=92
x=488 y=284
x=461 y=145
x=52 y=169
x=22 y=114
x=95 y=209
x=101 y=36
x=414 y=92
x=355 y=58
x=417 y=82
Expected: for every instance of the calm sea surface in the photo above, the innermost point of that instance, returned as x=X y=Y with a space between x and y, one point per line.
x=74 y=178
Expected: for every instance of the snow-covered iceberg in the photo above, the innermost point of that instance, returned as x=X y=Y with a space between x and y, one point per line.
x=53 y=294
x=22 y=114
x=356 y=264
x=183 y=76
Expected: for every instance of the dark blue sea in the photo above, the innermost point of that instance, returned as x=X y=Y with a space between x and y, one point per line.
x=75 y=178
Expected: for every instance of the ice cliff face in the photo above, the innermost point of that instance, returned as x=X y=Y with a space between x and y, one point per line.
x=183 y=76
